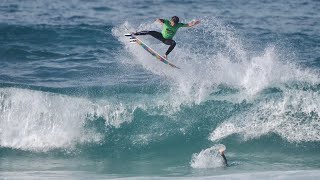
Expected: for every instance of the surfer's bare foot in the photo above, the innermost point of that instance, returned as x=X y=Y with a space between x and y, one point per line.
x=165 y=56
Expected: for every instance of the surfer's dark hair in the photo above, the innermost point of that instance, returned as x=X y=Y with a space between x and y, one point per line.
x=175 y=19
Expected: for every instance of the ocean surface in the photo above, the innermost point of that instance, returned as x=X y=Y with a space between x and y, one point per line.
x=78 y=101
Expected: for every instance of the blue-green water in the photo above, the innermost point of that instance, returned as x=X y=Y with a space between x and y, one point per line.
x=77 y=101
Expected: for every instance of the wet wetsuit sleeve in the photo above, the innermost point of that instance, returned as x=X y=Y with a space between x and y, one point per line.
x=166 y=22
x=183 y=25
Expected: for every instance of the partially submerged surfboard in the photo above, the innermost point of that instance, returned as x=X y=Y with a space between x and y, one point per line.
x=135 y=39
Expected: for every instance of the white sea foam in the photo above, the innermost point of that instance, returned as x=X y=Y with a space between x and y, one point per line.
x=208 y=158
x=295 y=117
x=41 y=121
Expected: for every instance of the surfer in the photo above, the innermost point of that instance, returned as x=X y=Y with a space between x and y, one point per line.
x=169 y=30
x=221 y=151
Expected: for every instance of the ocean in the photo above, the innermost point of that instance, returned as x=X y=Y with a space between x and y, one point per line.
x=78 y=101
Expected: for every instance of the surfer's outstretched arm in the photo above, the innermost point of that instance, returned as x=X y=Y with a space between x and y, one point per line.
x=224 y=158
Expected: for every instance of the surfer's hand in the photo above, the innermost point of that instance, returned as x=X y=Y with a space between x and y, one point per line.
x=159 y=20
x=195 y=22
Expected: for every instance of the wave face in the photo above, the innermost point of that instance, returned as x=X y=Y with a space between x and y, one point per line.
x=76 y=96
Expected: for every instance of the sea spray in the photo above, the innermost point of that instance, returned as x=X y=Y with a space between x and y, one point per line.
x=208 y=158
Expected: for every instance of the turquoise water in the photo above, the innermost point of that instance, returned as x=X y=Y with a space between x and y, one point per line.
x=77 y=101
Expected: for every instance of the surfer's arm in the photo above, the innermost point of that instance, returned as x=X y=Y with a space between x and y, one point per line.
x=192 y=23
x=161 y=21
x=224 y=158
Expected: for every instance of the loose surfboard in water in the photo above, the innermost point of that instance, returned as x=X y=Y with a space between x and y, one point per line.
x=134 y=38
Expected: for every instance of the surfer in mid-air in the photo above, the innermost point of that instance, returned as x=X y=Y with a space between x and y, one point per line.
x=169 y=30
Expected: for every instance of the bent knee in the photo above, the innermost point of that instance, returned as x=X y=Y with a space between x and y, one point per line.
x=169 y=42
x=172 y=43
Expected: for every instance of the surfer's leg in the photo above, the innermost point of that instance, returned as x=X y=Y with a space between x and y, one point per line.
x=172 y=44
x=154 y=34
x=141 y=33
